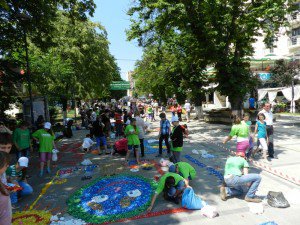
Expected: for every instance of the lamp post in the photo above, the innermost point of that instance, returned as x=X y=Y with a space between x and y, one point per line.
x=24 y=18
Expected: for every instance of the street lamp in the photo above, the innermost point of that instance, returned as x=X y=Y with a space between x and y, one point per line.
x=25 y=18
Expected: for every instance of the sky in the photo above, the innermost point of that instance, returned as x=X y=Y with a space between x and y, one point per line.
x=112 y=15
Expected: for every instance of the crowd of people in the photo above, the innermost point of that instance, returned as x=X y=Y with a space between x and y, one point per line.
x=129 y=124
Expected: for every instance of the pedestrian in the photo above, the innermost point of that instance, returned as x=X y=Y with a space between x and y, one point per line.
x=132 y=132
x=172 y=186
x=106 y=121
x=246 y=121
x=118 y=122
x=140 y=123
x=150 y=112
x=46 y=138
x=155 y=106
x=238 y=180
x=184 y=169
x=164 y=134
x=5 y=203
x=5 y=146
x=187 y=107
x=179 y=112
x=82 y=116
x=98 y=131
x=270 y=130
x=261 y=130
x=241 y=131
x=173 y=110
x=177 y=139
x=22 y=141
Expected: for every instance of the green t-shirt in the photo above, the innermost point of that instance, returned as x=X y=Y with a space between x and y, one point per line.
x=234 y=165
x=240 y=130
x=162 y=181
x=45 y=139
x=22 y=138
x=186 y=169
x=149 y=110
x=133 y=139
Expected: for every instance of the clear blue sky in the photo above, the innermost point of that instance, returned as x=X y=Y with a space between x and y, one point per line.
x=112 y=15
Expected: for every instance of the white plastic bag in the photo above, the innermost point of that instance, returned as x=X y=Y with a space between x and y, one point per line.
x=54 y=155
x=209 y=211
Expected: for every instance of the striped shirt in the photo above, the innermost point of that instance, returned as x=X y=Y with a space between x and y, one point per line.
x=12 y=172
x=165 y=126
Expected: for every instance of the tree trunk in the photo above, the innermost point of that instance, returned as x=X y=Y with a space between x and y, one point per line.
x=198 y=106
x=64 y=102
x=237 y=106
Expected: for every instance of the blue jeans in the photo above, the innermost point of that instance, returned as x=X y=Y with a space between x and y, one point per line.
x=237 y=185
x=179 y=187
x=27 y=190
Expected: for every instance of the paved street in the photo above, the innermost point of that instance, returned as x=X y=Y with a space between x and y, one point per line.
x=233 y=211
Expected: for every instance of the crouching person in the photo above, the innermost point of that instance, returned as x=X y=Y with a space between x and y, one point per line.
x=172 y=185
x=15 y=175
x=184 y=169
x=238 y=181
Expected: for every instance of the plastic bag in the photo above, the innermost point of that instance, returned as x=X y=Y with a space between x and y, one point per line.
x=190 y=200
x=277 y=200
x=209 y=211
x=54 y=155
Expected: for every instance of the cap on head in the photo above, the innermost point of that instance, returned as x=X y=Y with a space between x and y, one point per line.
x=23 y=161
x=47 y=125
x=174 y=119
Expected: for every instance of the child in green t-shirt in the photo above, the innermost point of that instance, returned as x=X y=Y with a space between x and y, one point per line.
x=131 y=133
x=46 y=140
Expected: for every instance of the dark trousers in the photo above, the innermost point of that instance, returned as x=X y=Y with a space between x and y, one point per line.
x=142 y=147
x=270 y=132
x=179 y=116
x=164 y=137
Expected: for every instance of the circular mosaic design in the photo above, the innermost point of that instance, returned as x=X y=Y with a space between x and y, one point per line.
x=111 y=198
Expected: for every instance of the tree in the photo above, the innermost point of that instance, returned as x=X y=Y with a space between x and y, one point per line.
x=283 y=73
x=217 y=33
x=36 y=18
x=78 y=66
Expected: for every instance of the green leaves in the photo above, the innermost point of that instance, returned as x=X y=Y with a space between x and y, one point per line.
x=201 y=34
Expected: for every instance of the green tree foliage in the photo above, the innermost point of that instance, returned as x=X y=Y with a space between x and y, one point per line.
x=36 y=18
x=79 y=64
x=216 y=33
x=284 y=72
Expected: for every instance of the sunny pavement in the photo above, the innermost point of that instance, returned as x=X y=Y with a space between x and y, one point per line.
x=233 y=211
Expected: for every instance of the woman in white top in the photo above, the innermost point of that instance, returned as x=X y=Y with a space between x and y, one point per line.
x=141 y=126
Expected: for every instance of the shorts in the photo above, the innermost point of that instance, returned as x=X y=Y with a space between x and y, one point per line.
x=100 y=140
x=133 y=147
x=242 y=146
x=45 y=156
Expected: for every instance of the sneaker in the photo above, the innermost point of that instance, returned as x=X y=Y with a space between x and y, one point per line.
x=223 y=193
x=159 y=155
x=255 y=199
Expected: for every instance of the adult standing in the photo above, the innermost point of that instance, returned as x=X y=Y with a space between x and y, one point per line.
x=98 y=131
x=176 y=139
x=270 y=130
x=187 y=107
x=46 y=138
x=239 y=180
x=21 y=139
x=155 y=106
x=179 y=112
x=140 y=123
x=164 y=133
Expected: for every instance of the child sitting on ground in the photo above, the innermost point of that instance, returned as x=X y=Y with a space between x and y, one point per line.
x=87 y=143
